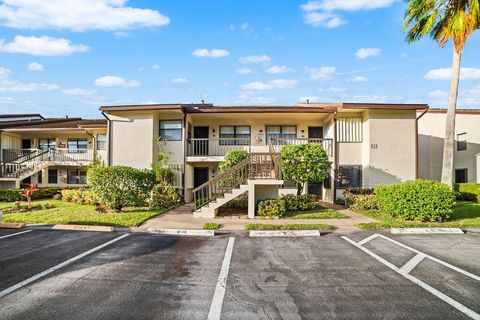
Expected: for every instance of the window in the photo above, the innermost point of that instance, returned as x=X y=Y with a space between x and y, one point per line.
x=280 y=132
x=77 y=145
x=40 y=177
x=240 y=135
x=461 y=141
x=171 y=130
x=52 y=176
x=349 y=177
x=461 y=175
x=46 y=144
x=76 y=176
x=101 y=142
x=327 y=183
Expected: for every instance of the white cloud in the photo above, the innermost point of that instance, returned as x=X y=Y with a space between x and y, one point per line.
x=77 y=15
x=438 y=94
x=243 y=71
x=246 y=98
x=446 y=73
x=255 y=59
x=35 y=66
x=214 y=53
x=6 y=84
x=155 y=66
x=333 y=89
x=115 y=81
x=78 y=92
x=324 y=13
x=376 y=98
x=41 y=46
x=180 y=81
x=244 y=26
x=363 y=53
x=270 y=85
x=321 y=73
x=278 y=69
x=359 y=79
x=323 y=19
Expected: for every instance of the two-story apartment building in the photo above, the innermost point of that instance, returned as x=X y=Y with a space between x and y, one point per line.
x=367 y=144
x=50 y=151
x=431 y=135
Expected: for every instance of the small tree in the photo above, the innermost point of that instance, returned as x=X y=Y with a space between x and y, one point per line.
x=232 y=158
x=28 y=191
x=304 y=163
x=164 y=172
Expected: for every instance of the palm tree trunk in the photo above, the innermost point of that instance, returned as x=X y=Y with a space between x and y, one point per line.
x=449 y=141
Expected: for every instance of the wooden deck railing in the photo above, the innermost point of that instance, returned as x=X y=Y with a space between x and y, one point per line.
x=216 y=147
x=278 y=143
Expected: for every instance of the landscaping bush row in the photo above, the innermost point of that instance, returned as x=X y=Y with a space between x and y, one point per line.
x=271 y=208
x=12 y=195
x=421 y=200
x=299 y=203
x=80 y=196
x=468 y=191
x=361 y=201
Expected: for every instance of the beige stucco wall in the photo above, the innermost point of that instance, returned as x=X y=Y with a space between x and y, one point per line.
x=389 y=147
x=478 y=168
x=431 y=130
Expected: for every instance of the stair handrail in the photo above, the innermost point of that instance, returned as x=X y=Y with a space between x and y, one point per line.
x=213 y=188
x=275 y=159
x=14 y=170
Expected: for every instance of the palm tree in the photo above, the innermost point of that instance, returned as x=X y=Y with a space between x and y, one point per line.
x=445 y=20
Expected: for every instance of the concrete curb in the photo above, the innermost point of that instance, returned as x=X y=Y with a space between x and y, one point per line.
x=77 y=227
x=11 y=225
x=286 y=233
x=183 y=232
x=426 y=231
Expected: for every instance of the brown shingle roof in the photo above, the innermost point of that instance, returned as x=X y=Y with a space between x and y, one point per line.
x=56 y=123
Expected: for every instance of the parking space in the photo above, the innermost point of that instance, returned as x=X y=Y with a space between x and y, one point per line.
x=125 y=276
x=7 y=233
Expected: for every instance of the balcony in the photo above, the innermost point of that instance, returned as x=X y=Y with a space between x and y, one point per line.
x=205 y=149
x=278 y=143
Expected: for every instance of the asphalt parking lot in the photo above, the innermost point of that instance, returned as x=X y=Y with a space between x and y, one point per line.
x=46 y=274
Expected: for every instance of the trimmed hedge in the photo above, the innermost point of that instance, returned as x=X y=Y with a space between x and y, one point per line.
x=238 y=203
x=119 y=186
x=468 y=191
x=211 y=226
x=271 y=208
x=80 y=196
x=361 y=201
x=299 y=203
x=420 y=200
x=274 y=227
x=12 y=195
x=348 y=191
x=164 y=196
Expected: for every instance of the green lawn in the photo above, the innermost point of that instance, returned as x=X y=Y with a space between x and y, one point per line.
x=71 y=213
x=466 y=215
x=270 y=227
x=316 y=213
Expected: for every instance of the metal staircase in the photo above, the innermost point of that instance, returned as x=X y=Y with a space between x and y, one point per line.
x=230 y=184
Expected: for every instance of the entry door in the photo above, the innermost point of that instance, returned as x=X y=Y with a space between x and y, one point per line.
x=200 y=147
x=316 y=189
x=315 y=132
x=200 y=176
x=26 y=143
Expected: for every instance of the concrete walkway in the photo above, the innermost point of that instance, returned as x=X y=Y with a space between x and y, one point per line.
x=182 y=218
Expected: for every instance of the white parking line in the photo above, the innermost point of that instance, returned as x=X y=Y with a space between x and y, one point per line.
x=15 y=234
x=217 y=301
x=412 y=263
x=58 y=266
x=469 y=312
x=446 y=264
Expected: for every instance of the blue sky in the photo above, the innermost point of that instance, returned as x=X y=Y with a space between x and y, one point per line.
x=62 y=57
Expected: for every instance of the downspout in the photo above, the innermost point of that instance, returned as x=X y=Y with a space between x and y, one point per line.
x=416 y=142
x=335 y=158
x=185 y=146
x=109 y=125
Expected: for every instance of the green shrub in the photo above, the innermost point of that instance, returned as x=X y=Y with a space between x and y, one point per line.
x=164 y=196
x=271 y=208
x=240 y=202
x=12 y=195
x=231 y=159
x=361 y=201
x=421 y=200
x=211 y=226
x=358 y=191
x=80 y=196
x=273 y=227
x=118 y=186
x=299 y=203
x=468 y=191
